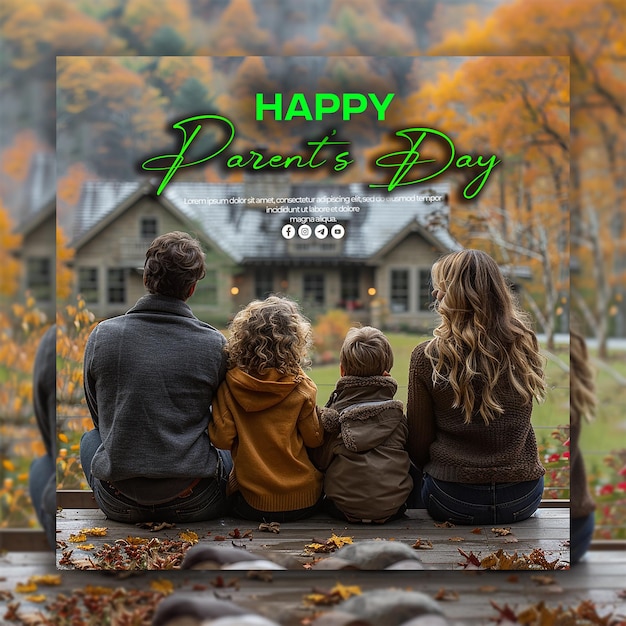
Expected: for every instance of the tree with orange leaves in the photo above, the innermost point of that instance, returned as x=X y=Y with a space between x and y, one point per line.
x=9 y=265
x=592 y=34
x=64 y=275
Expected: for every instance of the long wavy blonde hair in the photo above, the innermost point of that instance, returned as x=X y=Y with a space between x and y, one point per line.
x=583 y=400
x=483 y=338
x=270 y=333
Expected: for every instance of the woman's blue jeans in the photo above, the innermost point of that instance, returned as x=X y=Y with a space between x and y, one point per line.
x=484 y=504
x=207 y=500
x=581 y=534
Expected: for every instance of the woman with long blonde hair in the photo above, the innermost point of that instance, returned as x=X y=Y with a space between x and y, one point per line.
x=470 y=399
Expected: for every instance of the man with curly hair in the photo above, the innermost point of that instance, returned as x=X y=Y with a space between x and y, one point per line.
x=149 y=379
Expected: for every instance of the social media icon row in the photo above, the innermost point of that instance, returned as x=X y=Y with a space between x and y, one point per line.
x=321 y=231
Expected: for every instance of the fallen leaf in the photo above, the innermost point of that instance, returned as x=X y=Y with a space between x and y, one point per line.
x=505 y=613
x=235 y=534
x=25 y=587
x=337 y=594
x=329 y=545
x=456 y=539
x=501 y=532
x=98 y=590
x=166 y=587
x=36 y=598
x=49 y=580
x=11 y=612
x=219 y=583
x=85 y=546
x=78 y=538
x=318 y=547
x=156 y=526
x=189 y=536
x=446 y=595
x=487 y=589
x=219 y=538
x=271 y=527
x=471 y=560
x=477 y=531
x=423 y=544
x=511 y=540
x=543 y=580
x=538 y=557
x=136 y=541
x=94 y=532
x=502 y=560
x=339 y=541
x=444 y=525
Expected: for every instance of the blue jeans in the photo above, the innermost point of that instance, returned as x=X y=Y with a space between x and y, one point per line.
x=581 y=534
x=494 y=503
x=42 y=488
x=207 y=500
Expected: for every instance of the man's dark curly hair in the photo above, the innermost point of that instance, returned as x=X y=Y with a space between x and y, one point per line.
x=174 y=264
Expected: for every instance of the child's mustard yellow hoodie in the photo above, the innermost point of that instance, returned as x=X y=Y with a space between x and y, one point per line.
x=267 y=422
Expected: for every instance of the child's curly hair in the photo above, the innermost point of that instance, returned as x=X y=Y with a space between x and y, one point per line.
x=270 y=333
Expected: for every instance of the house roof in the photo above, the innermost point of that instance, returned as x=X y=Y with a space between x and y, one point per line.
x=246 y=233
x=37 y=200
x=35 y=219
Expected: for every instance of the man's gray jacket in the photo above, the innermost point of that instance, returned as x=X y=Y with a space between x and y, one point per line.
x=149 y=379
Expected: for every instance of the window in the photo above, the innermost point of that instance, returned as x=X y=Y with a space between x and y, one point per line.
x=206 y=289
x=350 y=286
x=313 y=288
x=149 y=227
x=263 y=283
x=116 y=284
x=399 y=291
x=424 y=290
x=88 y=284
x=39 y=278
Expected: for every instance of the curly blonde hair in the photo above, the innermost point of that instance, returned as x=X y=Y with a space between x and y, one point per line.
x=270 y=333
x=483 y=338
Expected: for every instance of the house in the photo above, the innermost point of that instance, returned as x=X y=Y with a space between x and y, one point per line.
x=367 y=253
x=37 y=228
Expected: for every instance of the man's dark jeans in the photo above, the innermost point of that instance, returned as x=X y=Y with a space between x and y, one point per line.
x=207 y=500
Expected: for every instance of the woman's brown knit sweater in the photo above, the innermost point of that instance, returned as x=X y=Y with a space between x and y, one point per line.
x=443 y=446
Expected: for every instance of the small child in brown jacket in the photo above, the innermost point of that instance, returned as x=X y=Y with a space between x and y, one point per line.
x=364 y=455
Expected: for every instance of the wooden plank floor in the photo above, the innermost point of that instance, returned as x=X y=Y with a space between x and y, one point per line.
x=599 y=578
x=547 y=530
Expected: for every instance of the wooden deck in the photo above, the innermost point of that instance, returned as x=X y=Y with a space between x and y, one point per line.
x=547 y=530
x=599 y=579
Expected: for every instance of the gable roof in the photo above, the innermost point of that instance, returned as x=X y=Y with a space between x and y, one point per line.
x=34 y=220
x=247 y=234
x=37 y=200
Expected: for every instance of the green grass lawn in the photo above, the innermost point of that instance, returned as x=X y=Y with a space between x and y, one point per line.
x=553 y=412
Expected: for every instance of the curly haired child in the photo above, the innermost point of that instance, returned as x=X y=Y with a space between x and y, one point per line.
x=265 y=413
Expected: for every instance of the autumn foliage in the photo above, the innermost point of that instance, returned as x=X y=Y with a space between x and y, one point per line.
x=544 y=93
